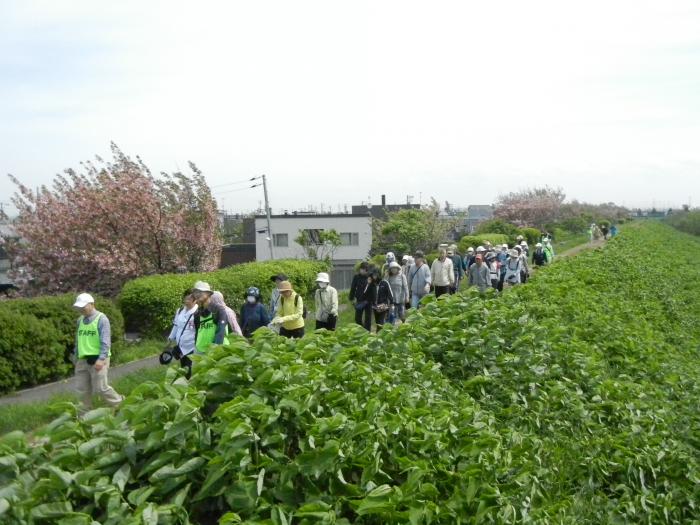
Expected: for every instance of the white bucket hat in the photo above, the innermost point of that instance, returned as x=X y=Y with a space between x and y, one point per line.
x=322 y=278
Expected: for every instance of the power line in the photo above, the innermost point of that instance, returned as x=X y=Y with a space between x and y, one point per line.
x=241 y=181
x=238 y=189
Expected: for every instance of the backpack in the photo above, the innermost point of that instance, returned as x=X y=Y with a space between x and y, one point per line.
x=305 y=312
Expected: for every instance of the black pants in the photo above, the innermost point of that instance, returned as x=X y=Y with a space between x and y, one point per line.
x=297 y=333
x=380 y=319
x=329 y=324
x=441 y=290
x=186 y=363
x=365 y=312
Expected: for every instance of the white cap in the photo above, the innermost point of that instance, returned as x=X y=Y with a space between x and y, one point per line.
x=470 y=249
x=322 y=278
x=405 y=258
x=523 y=243
x=394 y=264
x=480 y=249
x=201 y=286
x=83 y=300
x=538 y=245
x=505 y=246
x=390 y=255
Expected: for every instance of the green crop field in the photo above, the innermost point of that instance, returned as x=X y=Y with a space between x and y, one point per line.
x=573 y=399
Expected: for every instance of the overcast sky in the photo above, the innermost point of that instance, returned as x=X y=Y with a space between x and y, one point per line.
x=341 y=102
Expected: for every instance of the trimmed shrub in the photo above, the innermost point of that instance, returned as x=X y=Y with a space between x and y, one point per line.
x=38 y=338
x=149 y=303
x=478 y=240
x=532 y=235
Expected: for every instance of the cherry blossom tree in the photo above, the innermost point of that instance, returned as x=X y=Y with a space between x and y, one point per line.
x=113 y=221
x=531 y=207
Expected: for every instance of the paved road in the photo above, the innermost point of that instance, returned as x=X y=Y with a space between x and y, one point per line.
x=44 y=392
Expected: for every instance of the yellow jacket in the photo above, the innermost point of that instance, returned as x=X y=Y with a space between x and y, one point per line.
x=292 y=317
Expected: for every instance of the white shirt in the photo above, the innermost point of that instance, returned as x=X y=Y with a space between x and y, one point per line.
x=183 y=331
x=442 y=272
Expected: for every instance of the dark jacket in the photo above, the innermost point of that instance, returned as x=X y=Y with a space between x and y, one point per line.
x=539 y=257
x=357 y=288
x=253 y=316
x=383 y=293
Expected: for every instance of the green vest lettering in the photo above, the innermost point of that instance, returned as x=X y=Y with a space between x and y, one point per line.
x=206 y=332
x=89 y=337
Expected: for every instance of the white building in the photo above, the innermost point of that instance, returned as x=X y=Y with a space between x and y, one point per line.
x=355 y=235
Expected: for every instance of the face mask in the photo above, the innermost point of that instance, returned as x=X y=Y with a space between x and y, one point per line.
x=322 y=285
x=250 y=299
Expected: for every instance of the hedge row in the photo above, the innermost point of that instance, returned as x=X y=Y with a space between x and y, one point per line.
x=149 y=303
x=38 y=336
x=478 y=240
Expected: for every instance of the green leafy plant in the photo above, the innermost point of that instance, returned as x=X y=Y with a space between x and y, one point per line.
x=572 y=399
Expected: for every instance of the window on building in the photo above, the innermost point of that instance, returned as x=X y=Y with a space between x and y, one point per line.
x=280 y=239
x=314 y=236
x=349 y=239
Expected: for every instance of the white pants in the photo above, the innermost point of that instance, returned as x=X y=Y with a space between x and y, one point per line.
x=90 y=381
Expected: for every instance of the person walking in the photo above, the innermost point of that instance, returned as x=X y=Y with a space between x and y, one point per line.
x=253 y=312
x=479 y=274
x=275 y=294
x=468 y=259
x=212 y=320
x=419 y=280
x=217 y=303
x=613 y=231
x=457 y=265
x=399 y=289
x=389 y=258
x=326 y=301
x=383 y=298
x=539 y=257
x=290 y=314
x=93 y=344
x=184 y=333
x=442 y=273
x=358 y=297
x=525 y=268
x=494 y=269
x=406 y=262
x=513 y=269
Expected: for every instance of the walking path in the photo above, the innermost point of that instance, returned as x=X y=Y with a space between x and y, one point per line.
x=580 y=248
x=44 y=392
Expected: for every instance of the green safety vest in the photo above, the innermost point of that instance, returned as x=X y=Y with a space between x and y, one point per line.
x=89 y=337
x=206 y=333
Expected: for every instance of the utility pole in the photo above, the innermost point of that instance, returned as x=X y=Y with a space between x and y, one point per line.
x=267 y=211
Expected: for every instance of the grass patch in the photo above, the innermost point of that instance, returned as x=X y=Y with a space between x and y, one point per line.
x=125 y=352
x=30 y=416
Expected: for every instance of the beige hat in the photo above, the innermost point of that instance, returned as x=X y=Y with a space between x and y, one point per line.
x=322 y=278
x=284 y=286
x=201 y=286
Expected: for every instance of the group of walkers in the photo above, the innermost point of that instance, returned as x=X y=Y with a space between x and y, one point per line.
x=384 y=294
x=596 y=233
x=377 y=294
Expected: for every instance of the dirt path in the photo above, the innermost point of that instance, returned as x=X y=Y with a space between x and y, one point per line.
x=580 y=248
x=44 y=392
